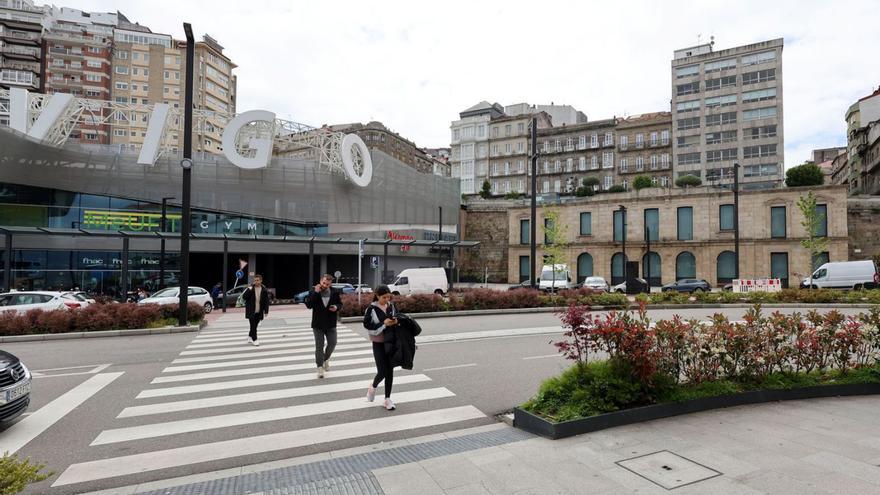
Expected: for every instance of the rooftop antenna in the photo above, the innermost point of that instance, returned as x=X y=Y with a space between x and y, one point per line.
x=711 y=42
x=699 y=38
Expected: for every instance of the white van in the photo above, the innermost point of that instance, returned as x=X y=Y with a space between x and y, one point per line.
x=844 y=275
x=555 y=277
x=420 y=281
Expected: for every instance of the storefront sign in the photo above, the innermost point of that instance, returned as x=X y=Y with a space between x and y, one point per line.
x=127 y=220
x=400 y=237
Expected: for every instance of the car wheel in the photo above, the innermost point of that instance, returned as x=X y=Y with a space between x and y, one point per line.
x=698 y=289
x=208 y=307
x=439 y=292
x=395 y=293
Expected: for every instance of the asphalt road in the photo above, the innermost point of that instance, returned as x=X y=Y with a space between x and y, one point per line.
x=89 y=439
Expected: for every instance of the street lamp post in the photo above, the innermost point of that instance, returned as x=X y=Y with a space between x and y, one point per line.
x=648 y=257
x=533 y=246
x=162 y=227
x=186 y=164
x=736 y=217
x=623 y=237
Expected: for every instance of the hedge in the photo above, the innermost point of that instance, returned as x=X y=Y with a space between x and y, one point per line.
x=95 y=317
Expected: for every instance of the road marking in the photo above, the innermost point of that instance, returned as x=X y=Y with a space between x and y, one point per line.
x=450 y=367
x=542 y=357
x=270 y=340
x=19 y=434
x=244 y=333
x=254 y=371
x=155 y=430
x=208 y=332
x=307 y=356
x=226 y=400
x=249 y=382
x=162 y=459
x=487 y=334
x=95 y=366
x=245 y=347
x=342 y=344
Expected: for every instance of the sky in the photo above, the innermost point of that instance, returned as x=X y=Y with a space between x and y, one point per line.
x=415 y=65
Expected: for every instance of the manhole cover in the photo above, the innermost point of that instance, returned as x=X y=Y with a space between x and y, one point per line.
x=667 y=469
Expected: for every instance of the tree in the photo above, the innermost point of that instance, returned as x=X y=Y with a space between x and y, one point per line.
x=616 y=188
x=812 y=222
x=590 y=182
x=486 y=191
x=584 y=191
x=688 y=181
x=642 y=181
x=555 y=244
x=808 y=174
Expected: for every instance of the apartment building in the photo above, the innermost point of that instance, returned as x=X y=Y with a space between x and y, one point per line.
x=215 y=89
x=726 y=108
x=377 y=136
x=469 y=156
x=644 y=147
x=860 y=117
x=20 y=45
x=509 y=149
x=568 y=154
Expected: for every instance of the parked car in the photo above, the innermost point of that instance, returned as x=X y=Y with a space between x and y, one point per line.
x=22 y=302
x=300 y=298
x=526 y=284
x=363 y=288
x=76 y=300
x=420 y=281
x=81 y=295
x=15 y=386
x=170 y=296
x=555 y=277
x=844 y=275
x=687 y=285
x=596 y=283
x=345 y=288
x=641 y=287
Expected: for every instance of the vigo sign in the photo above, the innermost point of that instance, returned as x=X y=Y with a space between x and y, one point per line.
x=248 y=139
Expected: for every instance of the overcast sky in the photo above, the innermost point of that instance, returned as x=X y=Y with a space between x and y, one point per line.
x=414 y=65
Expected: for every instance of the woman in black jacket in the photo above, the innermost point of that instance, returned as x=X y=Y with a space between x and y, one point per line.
x=381 y=316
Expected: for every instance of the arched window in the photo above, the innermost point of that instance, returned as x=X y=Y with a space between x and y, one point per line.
x=654 y=279
x=618 y=274
x=585 y=267
x=726 y=267
x=685 y=265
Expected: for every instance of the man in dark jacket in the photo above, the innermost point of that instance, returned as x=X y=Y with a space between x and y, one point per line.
x=325 y=304
x=256 y=306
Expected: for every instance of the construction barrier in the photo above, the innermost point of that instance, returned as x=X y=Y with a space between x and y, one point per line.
x=757 y=285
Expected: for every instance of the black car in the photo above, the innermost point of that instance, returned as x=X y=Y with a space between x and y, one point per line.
x=687 y=285
x=15 y=387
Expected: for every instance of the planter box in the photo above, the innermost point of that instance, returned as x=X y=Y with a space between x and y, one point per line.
x=527 y=421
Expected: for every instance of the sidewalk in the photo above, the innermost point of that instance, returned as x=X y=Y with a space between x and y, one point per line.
x=819 y=446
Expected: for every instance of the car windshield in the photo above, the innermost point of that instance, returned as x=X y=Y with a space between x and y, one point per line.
x=595 y=280
x=551 y=275
x=165 y=293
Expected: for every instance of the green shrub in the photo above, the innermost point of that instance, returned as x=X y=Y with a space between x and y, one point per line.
x=617 y=188
x=688 y=181
x=608 y=299
x=642 y=182
x=15 y=474
x=808 y=174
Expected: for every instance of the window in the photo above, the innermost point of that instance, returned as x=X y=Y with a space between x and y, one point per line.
x=586 y=223
x=582 y=142
x=759 y=151
x=121 y=55
x=93 y=64
x=121 y=85
x=779 y=267
x=721 y=118
x=822 y=213
x=820 y=259
x=725 y=217
x=119 y=132
x=664 y=181
x=624 y=141
x=688 y=106
x=582 y=163
x=520 y=147
x=685 y=266
x=557 y=166
x=688 y=123
x=94 y=49
x=651 y=268
x=584 y=267
x=777 y=222
x=719 y=65
x=761 y=170
x=617 y=268
x=654 y=162
x=640 y=163
x=507 y=129
x=687 y=89
x=618 y=218
x=759 y=76
x=759 y=113
x=721 y=137
x=623 y=165
x=764 y=131
x=685 y=223
x=608 y=160
x=664 y=137
x=758 y=58
x=121 y=69
x=664 y=160
x=569 y=165
x=721 y=155
x=721 y=101
x=594 y=162
x=688 y=141
x=609 y=181
x=725 y=267
x=93 y=78
x=759 y=95
x=524 y=268
x=688 y=71
x=548 y=225
x=653 y=139
x=609 y=139
x=594 y=141
x=508 y=148
x=720 y=83
x=640 y=140
x=688 y=158
x=520 y=128
x=652 y=224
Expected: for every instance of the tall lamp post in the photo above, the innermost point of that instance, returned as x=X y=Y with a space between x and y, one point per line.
x=186 y=164
x=162 y=227
x=533 y=246
x=623 y=237
x=736 y=217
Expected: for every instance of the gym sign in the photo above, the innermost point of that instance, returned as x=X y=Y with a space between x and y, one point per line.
x=248 y=139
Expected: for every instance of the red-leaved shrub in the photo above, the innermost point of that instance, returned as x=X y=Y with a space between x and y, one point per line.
x=93 y=318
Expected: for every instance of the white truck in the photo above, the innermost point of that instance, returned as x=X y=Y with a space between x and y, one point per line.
x=844 y=275
x=555 y=277
x=420 y=281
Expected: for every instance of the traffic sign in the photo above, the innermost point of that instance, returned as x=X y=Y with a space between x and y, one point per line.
x=337 y=274
x=374 y=262
x=239 y=274
x=450 y=264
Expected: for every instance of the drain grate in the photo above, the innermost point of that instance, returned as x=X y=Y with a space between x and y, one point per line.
x=668 y=470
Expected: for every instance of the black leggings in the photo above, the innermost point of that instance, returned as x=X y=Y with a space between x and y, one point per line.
x=384 y=370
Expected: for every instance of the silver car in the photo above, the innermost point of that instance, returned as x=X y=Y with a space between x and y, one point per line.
x=596 y=283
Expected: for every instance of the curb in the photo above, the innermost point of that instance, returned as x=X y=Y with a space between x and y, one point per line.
x=99 y=333
x=485 y=312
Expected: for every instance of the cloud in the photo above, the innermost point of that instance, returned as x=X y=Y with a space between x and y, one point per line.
x=415 y=65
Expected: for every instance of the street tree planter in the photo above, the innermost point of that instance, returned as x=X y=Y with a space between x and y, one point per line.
x=532 y=423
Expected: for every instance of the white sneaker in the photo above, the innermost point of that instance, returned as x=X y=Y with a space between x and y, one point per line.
x=389 y=405
x=326 y=365
x=257 y=344
x=320 y=372
x=250 y=340
x=371 y=393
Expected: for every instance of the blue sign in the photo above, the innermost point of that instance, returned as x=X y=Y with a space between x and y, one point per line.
x=239 y=274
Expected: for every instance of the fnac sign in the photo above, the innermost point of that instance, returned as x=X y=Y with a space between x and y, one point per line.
x=400 y=237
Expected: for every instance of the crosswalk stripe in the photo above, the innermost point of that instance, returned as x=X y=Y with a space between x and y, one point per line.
x=162 y=459
x=270 y=346
x=273 y=339
x=267 y=335
x=244 y=326
x=259 y=416
x=286 y=393
x=305 y=349
x=253 y=371
x=247 y=362
x=219 y=335
x=244 y=332
x=248 y=382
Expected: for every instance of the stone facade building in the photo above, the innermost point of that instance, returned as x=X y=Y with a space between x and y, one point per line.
x=691 y=230
x=645 y=148
x=568 y=154
x=509 y=149
x=377 y=136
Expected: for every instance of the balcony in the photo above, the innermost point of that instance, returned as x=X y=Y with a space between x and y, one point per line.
x=20 y=35
x=29 y=67
x=569 y=147
x=623 y=146
x=582 y=146
x=20 y=53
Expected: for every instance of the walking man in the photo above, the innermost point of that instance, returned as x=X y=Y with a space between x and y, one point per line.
x=256 y=306
x=325 y=304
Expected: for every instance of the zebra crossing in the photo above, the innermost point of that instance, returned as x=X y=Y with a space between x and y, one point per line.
x=223 y=403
